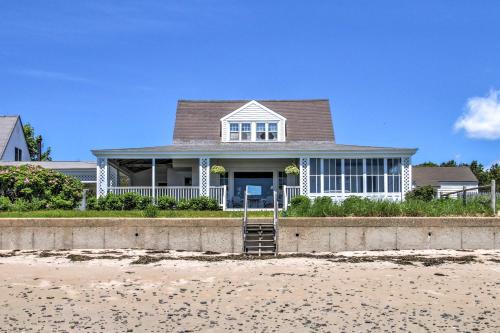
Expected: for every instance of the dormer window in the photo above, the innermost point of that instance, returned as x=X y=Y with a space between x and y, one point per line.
x=246 y=132
x=253 y=122
x=240 y=131
x=267 y=131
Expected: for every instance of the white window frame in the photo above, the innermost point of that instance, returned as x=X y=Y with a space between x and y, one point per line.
x=238 y=131
x=332 y=178
x=375 y=177
x=394 y=178
x=358 y=176
x=253 y=131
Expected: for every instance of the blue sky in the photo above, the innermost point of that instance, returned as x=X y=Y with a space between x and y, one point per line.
x=108 y=74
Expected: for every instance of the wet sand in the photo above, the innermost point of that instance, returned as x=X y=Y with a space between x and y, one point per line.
x=47 y=292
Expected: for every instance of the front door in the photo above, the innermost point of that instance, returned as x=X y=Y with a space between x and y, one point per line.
x=262 y=179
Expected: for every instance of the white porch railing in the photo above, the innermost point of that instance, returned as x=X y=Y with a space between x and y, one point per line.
x=219 y=193
x=141 y=190
x=288 y=193
x=178 y=192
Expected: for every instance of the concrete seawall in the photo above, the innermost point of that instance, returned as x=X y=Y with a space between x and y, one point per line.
x=225 y=234
x=358 y=234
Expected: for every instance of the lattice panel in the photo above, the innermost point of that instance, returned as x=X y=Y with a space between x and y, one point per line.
x=405 y=161
x=101 y=177
x=85 y=178
x=304 y=176
x=204 y=176
x=113 y=176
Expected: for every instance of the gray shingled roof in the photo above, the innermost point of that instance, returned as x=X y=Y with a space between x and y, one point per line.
x=423 y=176
x=56 y=165
x=7 y=124
x=270 y=147
x=308 y=120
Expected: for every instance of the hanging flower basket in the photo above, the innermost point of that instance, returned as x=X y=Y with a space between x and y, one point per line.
x=218 y=170
x=292 y=169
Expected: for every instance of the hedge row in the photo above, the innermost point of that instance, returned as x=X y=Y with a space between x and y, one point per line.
x=29 y=187
x=134 y=201
x=355 y=206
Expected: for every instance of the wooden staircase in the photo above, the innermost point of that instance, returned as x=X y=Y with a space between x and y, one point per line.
x=260 y=238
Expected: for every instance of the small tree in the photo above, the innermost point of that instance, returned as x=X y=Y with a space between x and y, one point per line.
x=32 y=141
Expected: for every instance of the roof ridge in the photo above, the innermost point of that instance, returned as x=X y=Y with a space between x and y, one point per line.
x=248 y=100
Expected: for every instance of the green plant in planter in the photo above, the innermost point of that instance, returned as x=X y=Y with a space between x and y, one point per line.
x=292 y=169
x=218 y=169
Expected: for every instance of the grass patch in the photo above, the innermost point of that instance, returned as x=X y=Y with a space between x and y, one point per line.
x=131 y=213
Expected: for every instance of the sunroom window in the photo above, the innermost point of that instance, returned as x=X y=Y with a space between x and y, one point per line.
x=394 y=174
x=375 y=175
x=332 y=181
x=353 y=169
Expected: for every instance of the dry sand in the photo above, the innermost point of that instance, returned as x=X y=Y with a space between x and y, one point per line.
x=392 y=291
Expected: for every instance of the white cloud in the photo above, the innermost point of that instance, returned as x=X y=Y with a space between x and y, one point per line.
x=481 y=120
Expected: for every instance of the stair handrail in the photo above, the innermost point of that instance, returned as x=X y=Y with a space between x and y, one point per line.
x=245 y=216
x=275 y=220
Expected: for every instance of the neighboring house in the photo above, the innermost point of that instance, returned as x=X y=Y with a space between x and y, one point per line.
x=83 y=171
x=254 y=141
x=14 y=152
x=13 y=145
x=444 y=179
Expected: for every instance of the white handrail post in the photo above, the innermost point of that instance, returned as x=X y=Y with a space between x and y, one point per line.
x=285 y=198
x=224 y=197
x=493 y=196
x=153 y=179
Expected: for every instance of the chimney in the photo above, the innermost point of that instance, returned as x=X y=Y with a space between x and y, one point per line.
x=39 y=143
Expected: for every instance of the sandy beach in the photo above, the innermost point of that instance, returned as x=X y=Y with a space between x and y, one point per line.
x=140 y=291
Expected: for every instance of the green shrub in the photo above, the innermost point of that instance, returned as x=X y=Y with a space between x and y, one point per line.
x=143 y=202
x=203 y=203
x=28 y=182
x=183 y=204
x=5 y=204
x=114 y=202
x=92 y=203
x=425 y=193
x=166 y=203
x=322 y=206
x=20 y=205
x=129 y=200
x=299 y=206
x=150 y=211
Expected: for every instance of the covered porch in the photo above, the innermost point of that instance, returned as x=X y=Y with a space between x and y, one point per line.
x=187 y=178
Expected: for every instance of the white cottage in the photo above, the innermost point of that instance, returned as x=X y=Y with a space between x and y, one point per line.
x=255 y=141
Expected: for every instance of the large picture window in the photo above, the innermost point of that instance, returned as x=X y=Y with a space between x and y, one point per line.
x=353 y=170
x=332 y=181
x=315 y=175
x=375 y=175
x=394 y=174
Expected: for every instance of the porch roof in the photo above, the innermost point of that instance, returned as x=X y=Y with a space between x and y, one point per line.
x=254 y=148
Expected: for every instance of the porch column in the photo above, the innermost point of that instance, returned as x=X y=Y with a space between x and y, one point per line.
x=102 y=176
x=153 y=179
x=304 y=176
x=405 y=176
x=204 y=176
